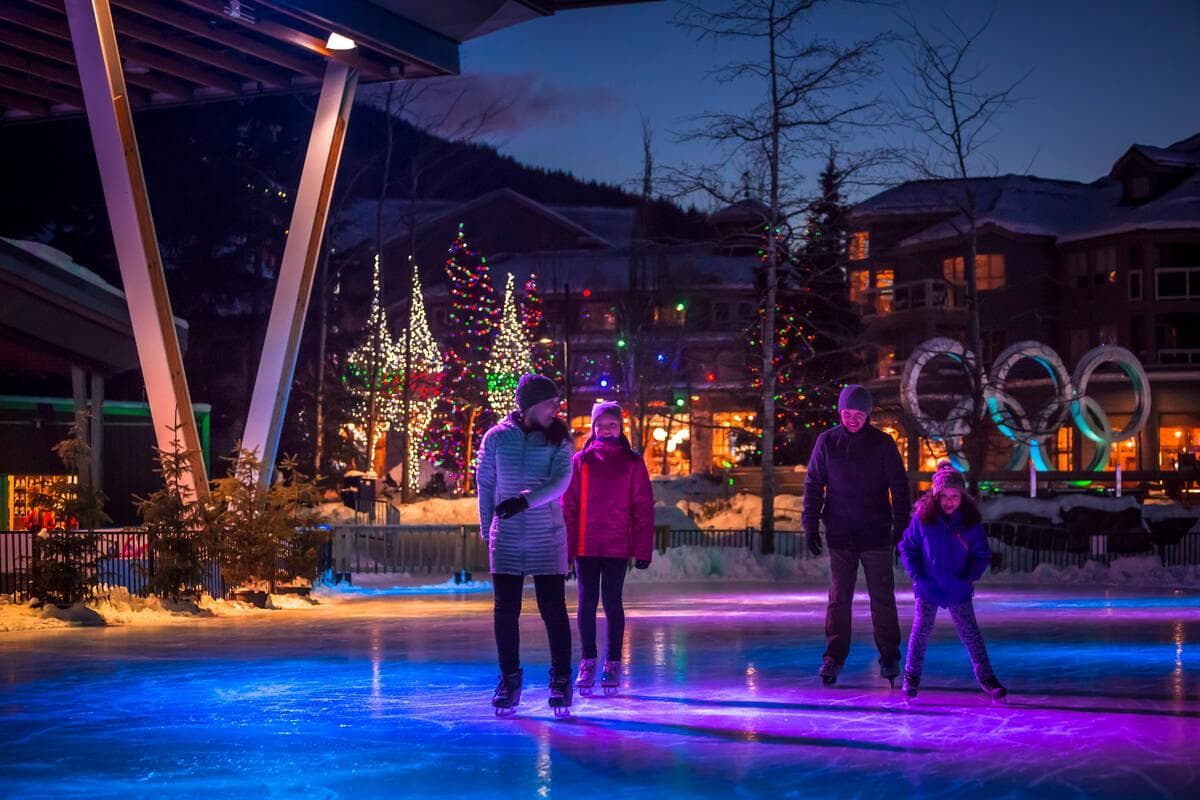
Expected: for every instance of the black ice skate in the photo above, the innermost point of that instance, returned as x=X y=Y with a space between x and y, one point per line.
x=829 y=671
x=610 y=678
x=508 y=693
x=560 y=694
x=889 y=671
x=994 y=690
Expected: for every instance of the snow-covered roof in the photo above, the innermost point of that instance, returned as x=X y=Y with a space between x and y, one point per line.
x=614 y=225
x=1177 y=209
x=355 y=224
x=1063 y=210
x=1165 y=156
x=684 y=267
x=52 y=255
x=1026 y=205
x=1031 y=206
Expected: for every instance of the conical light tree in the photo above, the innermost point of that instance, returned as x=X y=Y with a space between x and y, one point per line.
x=375 y=374
x=423 y=364
x=510 y=357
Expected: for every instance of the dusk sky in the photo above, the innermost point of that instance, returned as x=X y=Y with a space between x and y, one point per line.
x=1101 y=76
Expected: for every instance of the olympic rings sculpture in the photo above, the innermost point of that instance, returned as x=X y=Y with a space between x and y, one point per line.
x=1029 y=434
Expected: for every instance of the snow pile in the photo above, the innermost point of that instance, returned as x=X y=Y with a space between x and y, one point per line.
x=115 y=605
x=743 y=511
x=1158 y=509
x=1133 y=571
x=672 y=489
x=730 y=564
x=1052 y=508
x=441 y=511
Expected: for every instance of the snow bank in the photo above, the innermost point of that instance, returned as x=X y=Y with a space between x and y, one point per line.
x=116 y=606
x=745 y=511
x=1132 y=571
x=1158 y=509
x=729 y=564
x=1052 y=508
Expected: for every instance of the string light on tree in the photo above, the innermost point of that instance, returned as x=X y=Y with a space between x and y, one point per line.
x=462 y=413
x=424 y=367
x=374 y=374
x=510 y=358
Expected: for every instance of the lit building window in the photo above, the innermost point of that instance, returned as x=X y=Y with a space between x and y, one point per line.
x=989 y=270
x=674 y=316
x=1178 y=444
x=734 y=439
x=860 y=246
x=859 y=282
x=885 y=279
x=1064 y=448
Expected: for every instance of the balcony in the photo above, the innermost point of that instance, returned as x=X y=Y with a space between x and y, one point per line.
x=1179 y=357
x=933 y=294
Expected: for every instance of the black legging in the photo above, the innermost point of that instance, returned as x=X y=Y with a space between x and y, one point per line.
x=552 y=604
x=601 y=577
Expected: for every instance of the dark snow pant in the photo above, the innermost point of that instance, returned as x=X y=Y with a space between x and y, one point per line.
x=552 y=604
x=601 y=578
x=881 y=586
x=963 y=614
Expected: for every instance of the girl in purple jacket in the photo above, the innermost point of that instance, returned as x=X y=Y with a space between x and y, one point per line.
x=609 y=511
x=945 y=551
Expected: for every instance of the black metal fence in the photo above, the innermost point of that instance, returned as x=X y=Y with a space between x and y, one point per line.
x=787 y=543
x=412 y=549
x=107 y=558
x=444 y=549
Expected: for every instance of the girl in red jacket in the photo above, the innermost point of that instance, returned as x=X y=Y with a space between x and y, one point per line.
x=609 y=511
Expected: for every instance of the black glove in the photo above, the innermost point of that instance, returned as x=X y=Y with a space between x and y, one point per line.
x=642 y=563
x=813 y=540
x=511 y=507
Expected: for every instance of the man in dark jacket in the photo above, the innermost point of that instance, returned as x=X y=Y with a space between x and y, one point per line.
x=857 y=486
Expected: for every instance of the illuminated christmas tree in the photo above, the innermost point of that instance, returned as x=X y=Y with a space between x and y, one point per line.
x=424 y=367
x=510 y=357
x=533 y=316
x=462 y=414
x=374 y=374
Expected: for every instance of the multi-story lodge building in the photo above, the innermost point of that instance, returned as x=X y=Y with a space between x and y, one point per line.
x=661 y=327
x=1073 y=265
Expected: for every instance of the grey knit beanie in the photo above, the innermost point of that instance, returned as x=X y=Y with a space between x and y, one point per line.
x=533 y=389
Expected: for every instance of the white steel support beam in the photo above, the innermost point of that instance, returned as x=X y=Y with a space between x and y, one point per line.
x=111 y=122
x=273 y=383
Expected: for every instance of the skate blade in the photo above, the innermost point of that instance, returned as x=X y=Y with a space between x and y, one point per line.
x=505 y=712
x=584 y=691
x=562 y=711
x=611 y=691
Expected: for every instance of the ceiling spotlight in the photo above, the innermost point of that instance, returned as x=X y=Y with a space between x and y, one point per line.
x=338 y=42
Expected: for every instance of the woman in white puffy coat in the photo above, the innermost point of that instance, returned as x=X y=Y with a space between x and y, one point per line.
x=523 y=469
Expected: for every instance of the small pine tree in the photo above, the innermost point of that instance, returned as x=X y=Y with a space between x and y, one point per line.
x=178 y=529
x=259 y=528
